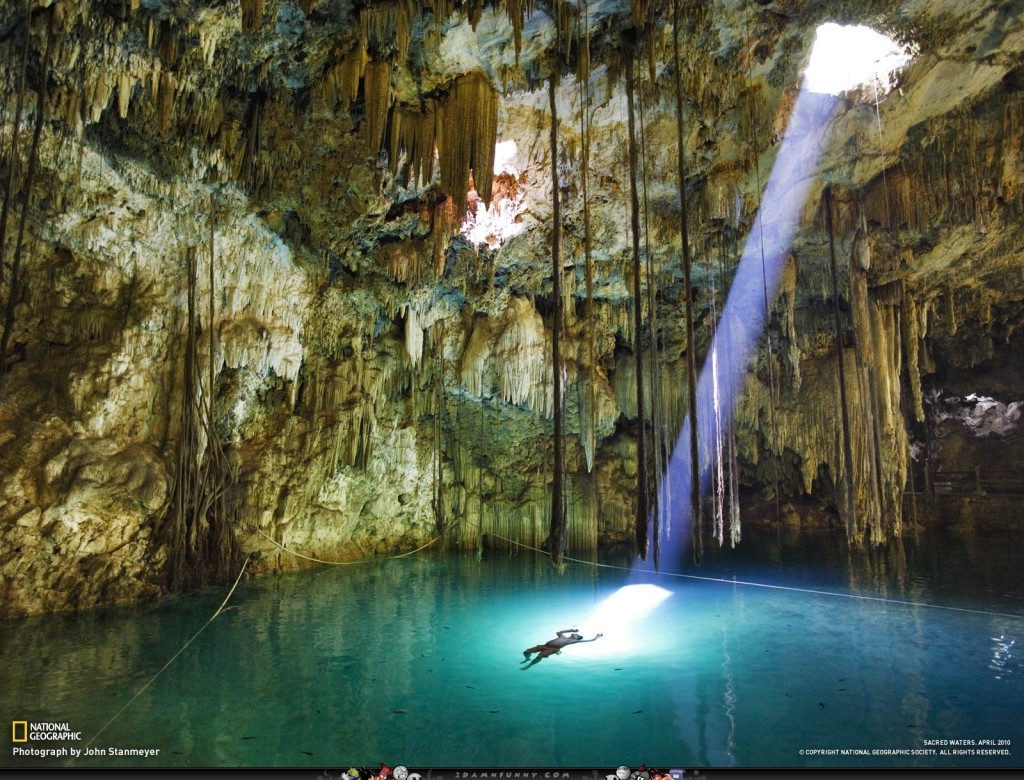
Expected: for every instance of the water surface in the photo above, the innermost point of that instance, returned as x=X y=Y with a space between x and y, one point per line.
x=418 y=661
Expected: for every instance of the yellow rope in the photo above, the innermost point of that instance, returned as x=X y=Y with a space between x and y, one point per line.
x=213 y=617
x=343 y=563
x=656 y=573
x=749 y=584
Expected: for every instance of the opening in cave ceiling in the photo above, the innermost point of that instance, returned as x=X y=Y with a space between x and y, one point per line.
x=845 y=57
x=496 y=222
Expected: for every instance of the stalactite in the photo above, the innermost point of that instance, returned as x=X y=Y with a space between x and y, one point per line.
x=852 y=524
x=719 y=467
x=642 y=497
x=565 y=16
x=696 y=519
x=412 y=139
x=867 y=357
x=734 y=485
x=377 y=88
x=467 y=131
x=252 y=14
x=518 y=11
x=480 y=480
x=340 y=84
x=249 y=161
x=889 y=422
x=911 y=342
x=221 y=554
x=167 y=44
x=869 y=389
x=639 y=11
x=557 y=537
x=583 y=53
x=387 y=29
x=443 y=224
x=124 y=93
x=165 y=101
x=74 y=114
x=14 y=287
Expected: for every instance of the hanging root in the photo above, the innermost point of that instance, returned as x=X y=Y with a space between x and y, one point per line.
x=559 y=531
x=14 y=288
x=696 y=516
x=642 y=497
x=199 y=525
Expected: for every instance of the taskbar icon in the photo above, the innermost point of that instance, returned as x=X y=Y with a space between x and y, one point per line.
x=413 y=772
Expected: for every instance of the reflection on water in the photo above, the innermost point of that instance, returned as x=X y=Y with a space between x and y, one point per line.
x=728 y=697
x=417 y=661
x=1002 y=656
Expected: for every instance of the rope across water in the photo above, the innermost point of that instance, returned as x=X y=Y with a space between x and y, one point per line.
x=344 y=563
x=723 y=580
x=163 y=668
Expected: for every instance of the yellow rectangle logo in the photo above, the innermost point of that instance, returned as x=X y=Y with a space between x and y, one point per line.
x=14 y=731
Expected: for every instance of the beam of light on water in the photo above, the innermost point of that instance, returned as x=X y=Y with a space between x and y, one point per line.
x=624 y=619
x=743 y=318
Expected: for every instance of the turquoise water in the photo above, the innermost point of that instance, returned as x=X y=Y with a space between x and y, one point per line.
x=417 y=661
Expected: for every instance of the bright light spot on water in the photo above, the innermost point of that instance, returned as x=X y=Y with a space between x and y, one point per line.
x=622 y=618
x=845 y=57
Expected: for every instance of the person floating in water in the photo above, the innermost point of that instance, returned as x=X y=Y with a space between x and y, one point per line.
x=553 y=646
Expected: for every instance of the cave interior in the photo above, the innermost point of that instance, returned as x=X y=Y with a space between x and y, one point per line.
x=293 y=283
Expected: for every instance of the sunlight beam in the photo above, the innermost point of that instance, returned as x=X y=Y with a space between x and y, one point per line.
x=743 y=317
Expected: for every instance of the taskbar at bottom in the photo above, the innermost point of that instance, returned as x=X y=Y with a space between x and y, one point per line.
x=476 y=773
x=621 y=772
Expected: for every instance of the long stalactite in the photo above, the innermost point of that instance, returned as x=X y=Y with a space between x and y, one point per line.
x=852 y=525
x=467 y=127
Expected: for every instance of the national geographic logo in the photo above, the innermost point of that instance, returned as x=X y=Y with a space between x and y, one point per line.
x=23 y=731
